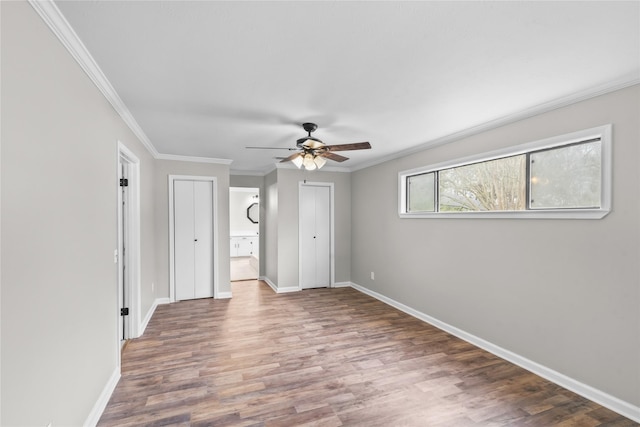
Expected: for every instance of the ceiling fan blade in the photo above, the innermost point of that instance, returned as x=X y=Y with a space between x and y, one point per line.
x=334 y=157
x=347 y=147
x=291 y=157
x=272 y=148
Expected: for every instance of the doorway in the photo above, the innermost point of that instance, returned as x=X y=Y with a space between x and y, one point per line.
x=316 y=239
x=128 y=251
x=244 y=239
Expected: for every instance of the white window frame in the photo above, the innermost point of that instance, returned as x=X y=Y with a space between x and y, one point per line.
x=601 y=132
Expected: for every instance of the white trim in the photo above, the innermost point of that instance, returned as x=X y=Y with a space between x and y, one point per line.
x=603 y=132
x=608 y=401
x=342 y=285
x=612 y=86
x=152 y=309
x=245 y=189
x=268 y=281
x=52 y=16
x=276 y=289
x=59 y=25
x=103 y=399
x=56 y=21
x=133 y=261
x=216 y=233
x=332 y=262
x=224 y=295
x=287 y=289
x=179 y=158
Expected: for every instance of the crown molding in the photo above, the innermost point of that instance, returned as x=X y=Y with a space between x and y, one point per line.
x=58 y=24
x=612 y=86
x=54 y=19
x=194 y=159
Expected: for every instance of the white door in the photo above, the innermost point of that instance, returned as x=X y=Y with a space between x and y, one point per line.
x=193 y=239
x=122 y=250
x=315 y=236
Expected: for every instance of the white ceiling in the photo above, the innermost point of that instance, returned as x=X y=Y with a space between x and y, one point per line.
x=207 y=78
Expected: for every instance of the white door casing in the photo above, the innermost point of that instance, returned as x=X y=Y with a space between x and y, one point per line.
x=128 y=238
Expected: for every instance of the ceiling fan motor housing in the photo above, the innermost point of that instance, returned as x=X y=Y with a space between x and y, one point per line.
x=303 y=142
x=309 y=127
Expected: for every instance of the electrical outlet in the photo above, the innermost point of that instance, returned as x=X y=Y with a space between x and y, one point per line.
x=115 y=256
x=373 y=276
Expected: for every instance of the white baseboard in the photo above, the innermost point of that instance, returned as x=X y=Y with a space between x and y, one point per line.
x=342 y=285
x=272 y=285
x=277 y=289
x=103 y=399
x=224 y=295
x=288 y=289
x=608 y=401
x=147 y=318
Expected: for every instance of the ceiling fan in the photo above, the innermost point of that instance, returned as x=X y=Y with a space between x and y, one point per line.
x=313 y=153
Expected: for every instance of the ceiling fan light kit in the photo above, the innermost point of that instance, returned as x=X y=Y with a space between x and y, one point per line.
x=314 y=153
x=297 y=160
x=308 y=163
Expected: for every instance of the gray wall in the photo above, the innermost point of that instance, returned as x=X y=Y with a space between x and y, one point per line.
x=270 y=254
x=563 y=293
x=59 y=293
x=59 y=228
x=287 y=233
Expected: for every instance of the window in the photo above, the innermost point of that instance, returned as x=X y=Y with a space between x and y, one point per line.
x=562 y=177
x=421 y=194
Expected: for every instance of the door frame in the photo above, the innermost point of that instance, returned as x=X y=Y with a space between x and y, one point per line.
x=214 y=212
x=248 y=189
x=330 y=185
x=131 y=258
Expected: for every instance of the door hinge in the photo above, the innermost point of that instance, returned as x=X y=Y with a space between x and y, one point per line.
x=124 y=182
x=124 y=311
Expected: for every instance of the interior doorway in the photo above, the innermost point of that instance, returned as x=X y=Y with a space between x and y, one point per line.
x=244 y=239
x=128 y=251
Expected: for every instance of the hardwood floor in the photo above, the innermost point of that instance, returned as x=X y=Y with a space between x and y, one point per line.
x=325 y=357
x=242 y=269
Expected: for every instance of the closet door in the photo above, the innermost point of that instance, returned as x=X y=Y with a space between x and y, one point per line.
x=203 y=251
x=183 y=214
x=315 y=237
x=193 y=239
x=323 y=240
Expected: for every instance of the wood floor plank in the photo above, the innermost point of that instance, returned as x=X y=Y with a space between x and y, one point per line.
x=325 y=357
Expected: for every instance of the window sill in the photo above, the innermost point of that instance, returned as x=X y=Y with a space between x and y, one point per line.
x=546 y=214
